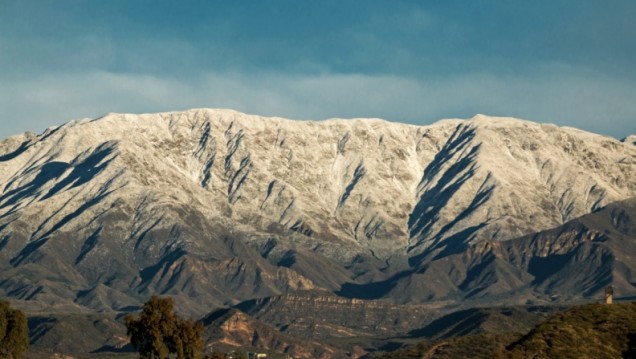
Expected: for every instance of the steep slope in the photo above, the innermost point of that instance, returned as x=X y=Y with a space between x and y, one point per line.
x=216 y=207
x=565 y=264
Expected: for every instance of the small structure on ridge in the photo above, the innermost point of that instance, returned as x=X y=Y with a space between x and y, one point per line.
x=609 y=293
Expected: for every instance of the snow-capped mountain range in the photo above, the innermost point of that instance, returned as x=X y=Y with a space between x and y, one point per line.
x=217 y=207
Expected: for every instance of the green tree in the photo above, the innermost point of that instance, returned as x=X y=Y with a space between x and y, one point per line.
x=158 y=332
x=14 y=332
x=189 y=339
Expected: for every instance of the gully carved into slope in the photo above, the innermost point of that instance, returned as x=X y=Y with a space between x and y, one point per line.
x=451 y=168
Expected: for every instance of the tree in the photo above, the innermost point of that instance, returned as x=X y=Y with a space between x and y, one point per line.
x=14 y=332
x=189 y=340
x=158 y=332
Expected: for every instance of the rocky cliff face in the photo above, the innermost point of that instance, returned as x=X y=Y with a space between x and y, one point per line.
x=320 y=315
x=231 y=328
x=216 y=207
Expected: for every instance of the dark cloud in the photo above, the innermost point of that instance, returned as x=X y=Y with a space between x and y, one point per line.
x=556 y=61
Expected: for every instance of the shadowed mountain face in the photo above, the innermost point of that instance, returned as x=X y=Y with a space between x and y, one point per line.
x=217 y=207
x=568 y=263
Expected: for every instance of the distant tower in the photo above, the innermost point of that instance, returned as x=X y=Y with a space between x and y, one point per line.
x=609 y=293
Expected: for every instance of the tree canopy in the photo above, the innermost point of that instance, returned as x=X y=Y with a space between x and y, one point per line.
x=14 y=332
x=158 y=332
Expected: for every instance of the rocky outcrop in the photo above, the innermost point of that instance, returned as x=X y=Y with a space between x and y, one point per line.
x=230 y=328
x=321 y=315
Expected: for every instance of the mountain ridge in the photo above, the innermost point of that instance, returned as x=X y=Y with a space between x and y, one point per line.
x=219 y=207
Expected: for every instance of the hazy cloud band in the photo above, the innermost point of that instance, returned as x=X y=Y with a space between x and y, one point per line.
x=553 y=95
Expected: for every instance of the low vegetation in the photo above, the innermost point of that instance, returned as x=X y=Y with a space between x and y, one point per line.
x=480 y=345
x=586 y=331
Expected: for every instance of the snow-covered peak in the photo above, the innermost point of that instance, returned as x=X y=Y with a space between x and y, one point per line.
x=389 y=187
x=216 y=206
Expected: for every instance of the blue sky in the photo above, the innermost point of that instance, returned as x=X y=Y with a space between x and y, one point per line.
x=571 y=63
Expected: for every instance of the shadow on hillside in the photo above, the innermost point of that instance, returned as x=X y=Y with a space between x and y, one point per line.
x=455 y=324
x=84 y=168
x=452 y=167
x=9 y=156
x=371 y=291
x=112 y=349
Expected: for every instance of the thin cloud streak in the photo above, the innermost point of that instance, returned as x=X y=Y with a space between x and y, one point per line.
x=552 y=95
